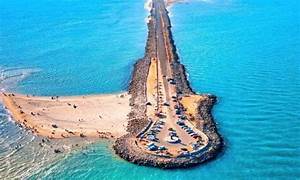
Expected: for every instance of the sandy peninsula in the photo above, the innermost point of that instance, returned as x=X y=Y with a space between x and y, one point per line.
x=102 y=116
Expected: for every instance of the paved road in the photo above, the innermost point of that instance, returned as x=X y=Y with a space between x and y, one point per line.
x=161 y=50
x=164 y=71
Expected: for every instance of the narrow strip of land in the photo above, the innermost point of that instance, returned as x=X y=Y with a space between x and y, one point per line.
x=164 y=106
x=170 y=126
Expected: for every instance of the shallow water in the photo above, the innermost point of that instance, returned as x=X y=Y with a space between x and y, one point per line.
x=23 y=154
x=65 y=47
x=245 y=52
x=80 y=47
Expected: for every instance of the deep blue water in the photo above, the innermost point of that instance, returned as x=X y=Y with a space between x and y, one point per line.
x=245 y=52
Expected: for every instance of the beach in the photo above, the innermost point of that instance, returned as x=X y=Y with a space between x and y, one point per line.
x=70 y=116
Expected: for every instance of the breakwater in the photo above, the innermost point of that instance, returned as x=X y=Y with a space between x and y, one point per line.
x=159 y=27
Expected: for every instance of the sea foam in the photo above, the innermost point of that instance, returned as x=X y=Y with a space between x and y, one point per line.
x=10 y=77
x=147 y=7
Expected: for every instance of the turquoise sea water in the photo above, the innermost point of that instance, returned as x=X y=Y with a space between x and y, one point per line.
x=76 y=47
x=245 y=52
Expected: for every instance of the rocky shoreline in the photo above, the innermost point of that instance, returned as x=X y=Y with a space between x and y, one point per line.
x=127 y=149
x=137 y=88
x=126 y=146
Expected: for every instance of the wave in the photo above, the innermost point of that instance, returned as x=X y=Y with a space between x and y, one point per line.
x=148 y=5
x=11 y=76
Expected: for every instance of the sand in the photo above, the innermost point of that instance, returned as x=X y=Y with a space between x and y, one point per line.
x=152 y=88
x=191 y=103
x=85 y=116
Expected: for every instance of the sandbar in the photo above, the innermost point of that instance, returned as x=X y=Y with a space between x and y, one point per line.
x=103 y=116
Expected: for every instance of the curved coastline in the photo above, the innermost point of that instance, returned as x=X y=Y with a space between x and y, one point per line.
x=126 y=146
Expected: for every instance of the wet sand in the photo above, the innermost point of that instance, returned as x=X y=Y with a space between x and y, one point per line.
x=103 y=116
